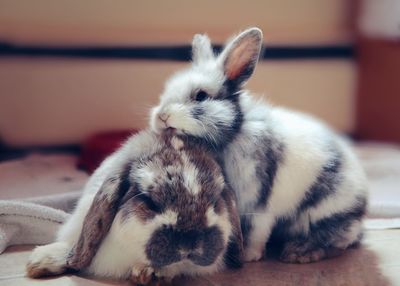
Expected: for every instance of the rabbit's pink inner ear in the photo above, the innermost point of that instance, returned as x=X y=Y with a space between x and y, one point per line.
x=242 y=57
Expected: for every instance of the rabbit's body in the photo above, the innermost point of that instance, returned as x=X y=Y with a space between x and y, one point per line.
x=159 y=205
x=291 y=173
x=293 y=177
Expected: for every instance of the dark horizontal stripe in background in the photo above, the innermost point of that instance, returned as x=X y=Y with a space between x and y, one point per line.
x=175 y=53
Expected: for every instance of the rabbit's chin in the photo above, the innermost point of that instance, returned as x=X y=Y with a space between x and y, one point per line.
x=188 y=268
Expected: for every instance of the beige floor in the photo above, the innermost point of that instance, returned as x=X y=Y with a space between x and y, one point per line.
x=375 y=263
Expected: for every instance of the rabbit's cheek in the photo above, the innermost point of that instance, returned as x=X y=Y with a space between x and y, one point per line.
x=220 y=220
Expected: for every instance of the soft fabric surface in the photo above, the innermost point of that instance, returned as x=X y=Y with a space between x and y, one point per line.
x=28 y=223
x=53 y=185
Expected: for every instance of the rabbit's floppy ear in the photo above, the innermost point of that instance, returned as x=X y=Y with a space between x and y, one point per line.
x=99 y=219
x=201 y=49
x=233 y=257
x=240 y=56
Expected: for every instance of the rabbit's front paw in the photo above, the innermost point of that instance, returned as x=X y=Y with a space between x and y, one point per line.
x=253 y=254
x=47 y=260
x=143 y=275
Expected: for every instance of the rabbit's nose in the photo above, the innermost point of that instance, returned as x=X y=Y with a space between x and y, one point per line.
x=163 y=116
x=190 y=253
x=184 y=253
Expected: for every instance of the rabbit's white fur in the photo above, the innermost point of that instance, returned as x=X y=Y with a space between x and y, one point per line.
x=306 y=143
x=294 y=150
x=122 y=253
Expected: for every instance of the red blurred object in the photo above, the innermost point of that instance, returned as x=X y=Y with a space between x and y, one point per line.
x=99 y=146
x=378 y=100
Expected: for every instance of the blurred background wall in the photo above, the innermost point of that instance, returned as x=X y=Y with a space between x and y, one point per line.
x=46 y=100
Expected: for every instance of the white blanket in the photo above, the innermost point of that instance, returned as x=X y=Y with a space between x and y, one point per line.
x=28 y=223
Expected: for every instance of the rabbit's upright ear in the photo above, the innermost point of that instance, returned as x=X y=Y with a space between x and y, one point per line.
x=201 y=49
x=98 y=220
x=240 y=56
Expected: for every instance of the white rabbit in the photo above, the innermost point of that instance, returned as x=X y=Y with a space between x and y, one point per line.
x=158 y=207
x=294 y=178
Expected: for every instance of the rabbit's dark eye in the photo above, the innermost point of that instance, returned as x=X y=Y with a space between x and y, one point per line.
x=201 y=95
x=149 y=202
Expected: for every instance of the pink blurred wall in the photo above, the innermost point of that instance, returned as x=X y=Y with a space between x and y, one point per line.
x=58 y=101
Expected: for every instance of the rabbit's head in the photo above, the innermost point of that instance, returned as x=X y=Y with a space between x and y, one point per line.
x=174 y=207
x=202 y=100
